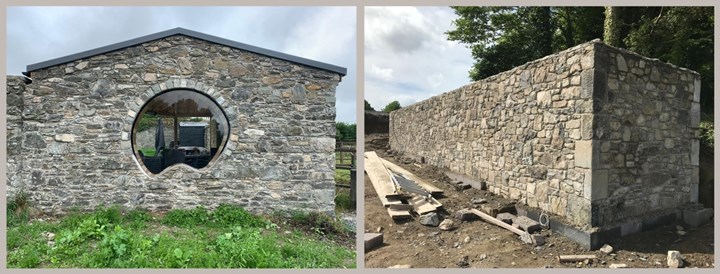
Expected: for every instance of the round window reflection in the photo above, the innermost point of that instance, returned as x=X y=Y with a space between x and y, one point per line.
x=179 y=127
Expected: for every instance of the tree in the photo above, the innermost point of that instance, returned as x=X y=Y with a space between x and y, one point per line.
x=345 y=132
x=394 y=105
x=612 y=27
x=368 y=106
x=683 y=36
x=502 y=38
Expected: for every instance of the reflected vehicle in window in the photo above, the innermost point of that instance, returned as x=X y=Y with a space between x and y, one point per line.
x=179 y=127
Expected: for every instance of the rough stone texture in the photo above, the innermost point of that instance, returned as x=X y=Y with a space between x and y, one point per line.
x=465 y=215
x=430 y=219
x=279 y=155
x=447 y=225
x=594 y=134
x=15 y=91
x=674 y=259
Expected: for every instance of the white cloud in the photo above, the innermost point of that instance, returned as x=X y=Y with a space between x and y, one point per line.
x=435 y=80
x=428 y=66
x=325 y=34
x=386 y=74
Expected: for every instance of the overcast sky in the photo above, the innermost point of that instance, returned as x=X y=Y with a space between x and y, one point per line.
x=408 y=57
x=325 y=34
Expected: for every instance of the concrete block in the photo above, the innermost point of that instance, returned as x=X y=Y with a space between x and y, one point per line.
x=526 y=224
x=373 y=240
x=465 y=215
x=630 y=228
x=506 y=217
x=697 y=217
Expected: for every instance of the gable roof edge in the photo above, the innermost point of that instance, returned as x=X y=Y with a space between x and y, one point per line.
x=193 y=34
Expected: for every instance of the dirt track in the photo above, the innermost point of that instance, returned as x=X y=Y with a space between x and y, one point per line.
x=487 y=245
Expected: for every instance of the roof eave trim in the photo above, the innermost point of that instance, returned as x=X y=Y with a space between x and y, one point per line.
x=193 y=34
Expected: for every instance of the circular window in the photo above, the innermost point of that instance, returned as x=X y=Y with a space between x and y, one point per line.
x=179 y=127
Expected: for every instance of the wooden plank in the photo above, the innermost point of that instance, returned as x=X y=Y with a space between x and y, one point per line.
x=389 y=201
x=497 y=222
x=524 y=236
x=398 y=214
x=402 y=207
x=575 y=258
x=379 y=177
x=422 y=205
x=422 y=183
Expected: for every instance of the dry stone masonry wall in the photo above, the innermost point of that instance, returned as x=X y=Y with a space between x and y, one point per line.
x=593 y=134
x=69 y=136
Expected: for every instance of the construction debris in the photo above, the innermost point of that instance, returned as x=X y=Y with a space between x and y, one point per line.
x=607 y=249
x=465 y=215
x=618 y=266
x=674 y=259
x=373 y=240
x=524 y=235
x=526 y=224
x=575 y=258
x=447 y=225
x=409 y=175
x=505 y=217
x=399 y=190
x=430 y=219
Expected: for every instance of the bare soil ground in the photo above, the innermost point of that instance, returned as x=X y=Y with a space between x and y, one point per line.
x=480 y=244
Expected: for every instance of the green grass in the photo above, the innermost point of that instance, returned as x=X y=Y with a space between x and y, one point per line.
x=344 y=159
x=342 y=200
x=148 y=151
x=342 y=195
x=342 y=176
x=227 y=237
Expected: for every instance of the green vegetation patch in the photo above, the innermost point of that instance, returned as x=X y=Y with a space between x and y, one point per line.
x=227 y=237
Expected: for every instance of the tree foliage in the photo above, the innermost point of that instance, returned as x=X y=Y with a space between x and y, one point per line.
x=345 y=132
x=368 y=106
x=501 y=38
x=394 y=105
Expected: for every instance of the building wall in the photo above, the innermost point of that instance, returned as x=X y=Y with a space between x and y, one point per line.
x=647 y=115
x=14 y=95
x=78 y=116
x=583 y=134
x=517 y=130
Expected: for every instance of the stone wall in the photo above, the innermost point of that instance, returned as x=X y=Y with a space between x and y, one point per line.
x=14 y=92
x=647 y=115
x=537 y=133
x=77 y=119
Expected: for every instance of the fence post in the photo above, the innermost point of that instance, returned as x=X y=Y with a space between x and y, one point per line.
x=353 y=191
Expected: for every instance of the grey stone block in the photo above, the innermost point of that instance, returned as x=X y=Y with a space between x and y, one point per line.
x=697 y=217
x=373 y=240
